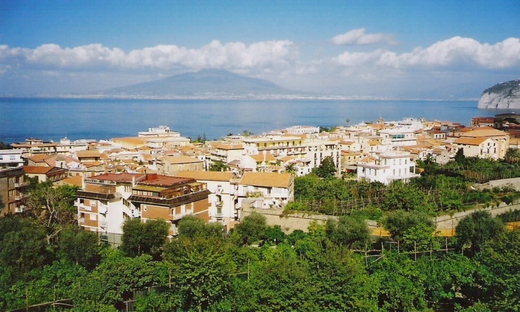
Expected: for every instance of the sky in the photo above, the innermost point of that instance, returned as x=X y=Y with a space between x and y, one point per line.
x=439 y=49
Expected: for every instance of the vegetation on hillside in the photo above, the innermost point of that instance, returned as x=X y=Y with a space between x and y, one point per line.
x=337 y=266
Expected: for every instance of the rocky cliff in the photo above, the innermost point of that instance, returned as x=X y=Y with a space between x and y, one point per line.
x=505 y=95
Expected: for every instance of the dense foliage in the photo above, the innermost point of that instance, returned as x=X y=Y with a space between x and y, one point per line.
x=439 y=190
x=326 y=268
x=336 y=266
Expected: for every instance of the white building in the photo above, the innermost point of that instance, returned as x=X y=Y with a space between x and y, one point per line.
x=389 y=166
x=11 y=158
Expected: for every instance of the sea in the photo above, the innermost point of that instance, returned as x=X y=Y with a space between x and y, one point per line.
x=103 y=119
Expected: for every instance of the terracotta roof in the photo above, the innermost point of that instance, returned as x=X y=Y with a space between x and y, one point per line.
x=181 y=159
x=266 y=179
x=260 y=157
x=88 y=153
x=206 y=175
x=136 y=141
x=484 y=132
x=40 y=158
x=76 y=181
x=228 y=146
x=36 y=169
x=470 y=141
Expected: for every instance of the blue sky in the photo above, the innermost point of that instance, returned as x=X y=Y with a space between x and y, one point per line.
x=439 y=49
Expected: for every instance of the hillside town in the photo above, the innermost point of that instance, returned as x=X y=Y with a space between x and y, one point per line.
x=161 y=174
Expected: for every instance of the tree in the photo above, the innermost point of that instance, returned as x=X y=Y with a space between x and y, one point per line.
x=52 y=207
x=512 y=155
x=79 y=246
x=400 y=222
x=115 y=279
x=201 y=269
x=251 y=229
x=476 y=229
x=275 y=235
x=143 y=238
x=218 y=166
x=500 y=258
x=193 y=227
x=327 y=168
x=24 y=249
x=349 y=232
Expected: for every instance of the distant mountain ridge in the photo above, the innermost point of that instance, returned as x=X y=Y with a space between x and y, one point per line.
x=504 y=95
x=204 y=83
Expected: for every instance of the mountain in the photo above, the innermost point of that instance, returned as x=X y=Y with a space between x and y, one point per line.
x=204 y=83
x=505 y=95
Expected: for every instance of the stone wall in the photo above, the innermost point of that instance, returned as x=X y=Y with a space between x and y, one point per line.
x=288 y=223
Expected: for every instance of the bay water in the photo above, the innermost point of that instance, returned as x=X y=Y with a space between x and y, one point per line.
x=52 y=119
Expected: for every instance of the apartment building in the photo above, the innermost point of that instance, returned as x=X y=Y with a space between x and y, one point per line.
x=106 y=201
x=387 y=167
x=33 y=147
x=223 y=197
x=277 y=145
x=500 y=140
x=12 y=189
x=478 y=147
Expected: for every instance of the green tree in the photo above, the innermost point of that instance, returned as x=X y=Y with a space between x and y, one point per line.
x=512 y=156
x=251 y=229
x=349 y=232
x=476 y=229
x=500 y=258
x=201 y=269
x=327 y=168
x=275 y=235
x=115 y=279
x=193 y=227
x=143 y=238
x=399 y=222
x=79 y=246
x=218 y=165
x=404 y=197
x=24 y=249
x=400 y=284
x=52 y=207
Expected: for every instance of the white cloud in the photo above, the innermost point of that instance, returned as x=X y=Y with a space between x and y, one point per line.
x=456 y=51
x=360 y=37
x=214 y=55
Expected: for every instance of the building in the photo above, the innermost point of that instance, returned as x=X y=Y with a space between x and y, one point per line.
x=106 y=201
x=387 y=167
x=43 y=174
x=12 y=190
x=265 y=190
x=33 y=146
x=223 y=198
x=11 y=158
x=500 y=139
x=481 y=147
x=169 y=165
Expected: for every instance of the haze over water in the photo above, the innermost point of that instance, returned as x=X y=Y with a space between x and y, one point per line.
x=53 y=119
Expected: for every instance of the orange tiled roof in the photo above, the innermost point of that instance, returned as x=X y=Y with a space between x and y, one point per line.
x=181 y=159
x=470 y=141
x=260 y=157
x=36 y=169
x=265 y=179
x=40 y=158
x=76 y=181
x=88 y=153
